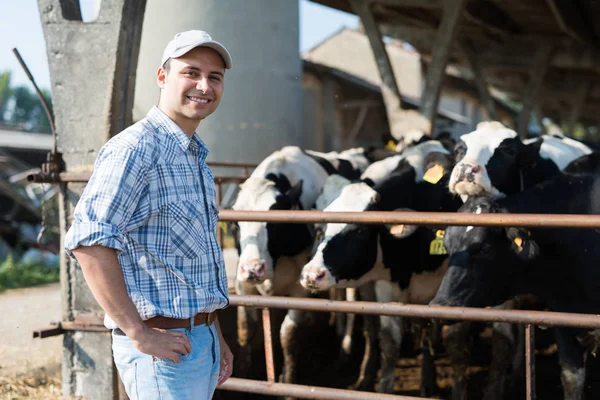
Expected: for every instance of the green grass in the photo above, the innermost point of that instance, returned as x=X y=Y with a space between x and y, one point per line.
x=15 y=275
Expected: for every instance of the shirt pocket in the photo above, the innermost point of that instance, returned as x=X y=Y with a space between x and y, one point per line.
x=187 y=238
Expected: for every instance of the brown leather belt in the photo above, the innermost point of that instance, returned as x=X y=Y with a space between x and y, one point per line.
x=173 y=323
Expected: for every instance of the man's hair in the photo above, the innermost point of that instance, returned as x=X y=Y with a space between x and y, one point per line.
x=167 y=65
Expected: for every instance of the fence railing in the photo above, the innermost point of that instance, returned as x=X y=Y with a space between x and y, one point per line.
x=269 y=387
x=528 y=318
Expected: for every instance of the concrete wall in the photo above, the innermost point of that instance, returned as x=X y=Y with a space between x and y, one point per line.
x=261 y=109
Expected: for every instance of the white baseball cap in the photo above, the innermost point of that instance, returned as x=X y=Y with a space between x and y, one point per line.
x=188 y=40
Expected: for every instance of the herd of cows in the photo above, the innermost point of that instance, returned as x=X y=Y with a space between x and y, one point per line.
x=490 y=170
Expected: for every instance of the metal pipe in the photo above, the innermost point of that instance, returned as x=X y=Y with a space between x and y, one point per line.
x=266 y=320
x=541 y=318
x=530 y=361
x=418 y=218
x=83 y=177
x=231 y=164
x=219 y=197
x=305 y=392
x=45 y=105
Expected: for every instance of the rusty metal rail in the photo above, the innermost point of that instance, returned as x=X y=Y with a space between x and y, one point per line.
x=84 y=176
x=418 y=218
x=305 y=392
x=541 y=318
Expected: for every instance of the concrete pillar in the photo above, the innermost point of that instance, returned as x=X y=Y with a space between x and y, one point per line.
x=262 y=105
x=92 y=73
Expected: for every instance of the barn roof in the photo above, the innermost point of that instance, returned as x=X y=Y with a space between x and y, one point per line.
x=505 y=35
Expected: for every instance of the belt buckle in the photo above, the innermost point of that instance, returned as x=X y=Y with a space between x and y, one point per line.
x=210 y=318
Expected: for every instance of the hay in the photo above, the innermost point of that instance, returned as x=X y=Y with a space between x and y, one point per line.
x=37 y=387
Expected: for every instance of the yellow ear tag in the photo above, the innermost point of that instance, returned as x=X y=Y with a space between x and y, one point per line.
x=519 y=242
x=436 y=247
x=390 y=145
x=434 y=174
x=223 y=226
x=397 y=230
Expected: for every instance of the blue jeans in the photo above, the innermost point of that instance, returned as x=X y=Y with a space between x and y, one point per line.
x=149 y=378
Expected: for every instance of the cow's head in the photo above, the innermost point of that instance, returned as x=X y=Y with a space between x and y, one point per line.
x=490 y=161
x=262 y=244
x=485 y=262
x=346 y=251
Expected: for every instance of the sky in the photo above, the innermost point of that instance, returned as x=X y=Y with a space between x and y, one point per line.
x=20 y=28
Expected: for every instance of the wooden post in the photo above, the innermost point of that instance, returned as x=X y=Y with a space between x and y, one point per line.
x=536 y=77
x=389 y=86
x=484 y=94
x=578 y=103
x=440 y=54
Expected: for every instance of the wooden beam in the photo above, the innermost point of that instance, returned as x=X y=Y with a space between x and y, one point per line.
x=358 y=104
x=578 y=103
x=482 y=86
x=389 y=87
x=358 y=124
x=536 y=78
x=540 y=118
x=440 y=54
x=409 y=3
x=569 y=19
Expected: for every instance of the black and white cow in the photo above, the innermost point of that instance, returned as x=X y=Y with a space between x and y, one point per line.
x=493 y=160
x=272 y=255
x=396 y=258
x=488 y=265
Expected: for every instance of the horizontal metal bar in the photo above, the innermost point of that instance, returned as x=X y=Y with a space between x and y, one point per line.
x=305 y=392
x=542 y=318
x=231 y=164
x=418 y=218
x=83 y=177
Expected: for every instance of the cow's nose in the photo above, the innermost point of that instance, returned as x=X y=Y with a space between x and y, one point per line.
x=255 y=269
x=468 y=171
x=314 y=278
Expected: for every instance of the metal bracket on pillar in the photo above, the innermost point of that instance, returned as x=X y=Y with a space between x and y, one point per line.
x=440 y=54
x=536 y=77
x=482 y=87
x=389 y=86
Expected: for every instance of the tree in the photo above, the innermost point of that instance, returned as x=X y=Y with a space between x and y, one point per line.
x=5 y=92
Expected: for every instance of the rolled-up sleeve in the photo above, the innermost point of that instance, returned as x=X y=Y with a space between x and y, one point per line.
x=111 y=196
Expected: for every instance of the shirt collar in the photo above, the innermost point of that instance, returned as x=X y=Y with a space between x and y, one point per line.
x=157 y=116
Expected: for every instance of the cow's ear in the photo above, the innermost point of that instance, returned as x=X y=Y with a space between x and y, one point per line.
x=401 y=231
x=295 y=192
x=522 y=243
x=530 y=152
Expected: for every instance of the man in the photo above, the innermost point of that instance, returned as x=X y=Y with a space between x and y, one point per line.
x=144 y=235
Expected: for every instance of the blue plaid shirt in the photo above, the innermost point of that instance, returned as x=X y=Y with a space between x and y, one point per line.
x=152 y=198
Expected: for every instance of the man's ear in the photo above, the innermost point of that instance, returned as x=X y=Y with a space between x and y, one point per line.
x=161 y=77
x=522 y=244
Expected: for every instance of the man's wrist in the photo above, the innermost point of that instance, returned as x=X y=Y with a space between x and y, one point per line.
x=136 y=331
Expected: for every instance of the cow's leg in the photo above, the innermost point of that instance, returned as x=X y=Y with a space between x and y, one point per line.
x=458 y=345
x=390 y=336
x=247 y=322
x=288 y=333
x=289 y=337
x=349 y=324
x=430 y=337
x=572 y=362
x=503 y=346
x=371 y=360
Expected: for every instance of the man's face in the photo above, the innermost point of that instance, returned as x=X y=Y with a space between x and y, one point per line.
x=192 y=87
